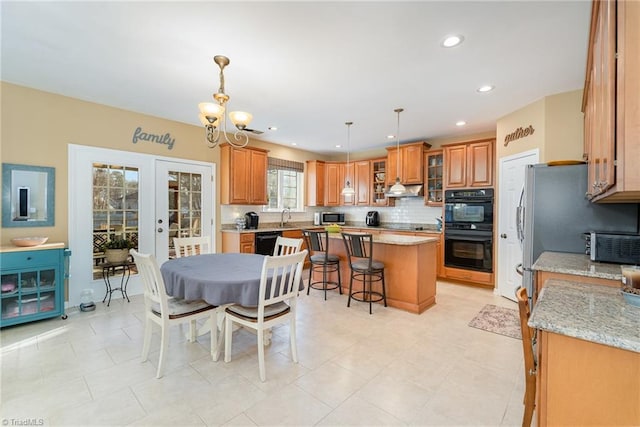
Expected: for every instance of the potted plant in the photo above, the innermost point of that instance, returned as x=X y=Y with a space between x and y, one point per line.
x=117 y=250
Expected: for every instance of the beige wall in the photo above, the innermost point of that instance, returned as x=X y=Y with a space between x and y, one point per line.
x=558 y=124
x=42 y=141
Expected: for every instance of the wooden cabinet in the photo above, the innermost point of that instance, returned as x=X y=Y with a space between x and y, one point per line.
x=243 y=175
x=297 y=234
x=611 y=104
x=238 y=243
x=469 y=164
x=315 y=182
x=362 y=182
x=478 y=278
x=433 y=166
x=378 y=186
x=32 y=283
x=334 y=182
x=411 y=163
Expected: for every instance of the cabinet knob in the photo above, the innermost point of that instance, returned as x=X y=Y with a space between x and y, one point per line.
x=160 y=230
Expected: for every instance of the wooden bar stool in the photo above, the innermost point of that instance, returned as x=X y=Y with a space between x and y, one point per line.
x=321 y=261
x=364 y=269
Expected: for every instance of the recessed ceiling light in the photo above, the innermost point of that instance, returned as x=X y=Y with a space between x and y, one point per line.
x=461 y=123
x=452 y=41
x=485 y=88
x=390 y=136
x=293 y=143
x=272 y=128
x=338 y=145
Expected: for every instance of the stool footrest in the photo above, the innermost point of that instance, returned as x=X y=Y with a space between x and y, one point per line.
x=361 y=296
x=324 y=285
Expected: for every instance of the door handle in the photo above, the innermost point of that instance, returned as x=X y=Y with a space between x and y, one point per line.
x=519 y=269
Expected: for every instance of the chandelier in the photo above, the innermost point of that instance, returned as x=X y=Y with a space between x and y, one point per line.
x=398 y=189
x=348 y=190
x=212 y=115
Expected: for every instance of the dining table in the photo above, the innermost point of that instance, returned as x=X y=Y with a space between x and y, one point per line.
x=219 y=279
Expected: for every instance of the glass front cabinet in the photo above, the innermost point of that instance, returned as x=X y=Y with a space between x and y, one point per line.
x=32 y=282
x=433 y=161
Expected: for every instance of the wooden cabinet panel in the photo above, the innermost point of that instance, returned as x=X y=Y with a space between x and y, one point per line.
x=243 y=175
x=315 y=180
x=456 y=166
x=411 y=163
x=469 y=165
x=611 y=104
x=362 y=182
x=333 y=184
x=475 y=277
x=238 y=243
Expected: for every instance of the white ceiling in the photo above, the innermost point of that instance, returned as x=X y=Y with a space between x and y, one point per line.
x=305 y=67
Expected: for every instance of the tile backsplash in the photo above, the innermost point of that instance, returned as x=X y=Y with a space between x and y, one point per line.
x=410 y=210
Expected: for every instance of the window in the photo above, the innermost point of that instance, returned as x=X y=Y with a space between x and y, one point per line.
x=285 y=181
x=115 y=207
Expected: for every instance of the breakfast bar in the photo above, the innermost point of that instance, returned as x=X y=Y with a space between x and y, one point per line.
x=410 y=268
x=588 y=355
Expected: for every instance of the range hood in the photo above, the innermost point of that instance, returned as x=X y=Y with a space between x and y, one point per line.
x=412 y=191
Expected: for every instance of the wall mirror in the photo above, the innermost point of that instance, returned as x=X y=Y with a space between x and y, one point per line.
x=27 y=195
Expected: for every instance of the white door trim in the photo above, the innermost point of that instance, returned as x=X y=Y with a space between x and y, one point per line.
x=80 y=220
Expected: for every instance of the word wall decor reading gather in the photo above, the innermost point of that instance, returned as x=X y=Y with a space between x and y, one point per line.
x=518 y=133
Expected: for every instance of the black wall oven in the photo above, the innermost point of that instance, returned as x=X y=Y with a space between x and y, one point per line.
x=468 y=232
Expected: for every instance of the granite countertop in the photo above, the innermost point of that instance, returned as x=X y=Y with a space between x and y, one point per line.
x=593 y=313
x=413 y=228
x=394 y=239
x=576 y=264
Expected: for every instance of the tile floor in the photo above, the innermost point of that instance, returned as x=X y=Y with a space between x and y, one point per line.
x=389 y=368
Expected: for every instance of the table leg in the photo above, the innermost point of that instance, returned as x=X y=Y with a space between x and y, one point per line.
x=126 y=270
x=107 y=284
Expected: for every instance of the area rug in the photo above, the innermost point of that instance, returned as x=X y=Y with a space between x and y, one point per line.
x=499 y=320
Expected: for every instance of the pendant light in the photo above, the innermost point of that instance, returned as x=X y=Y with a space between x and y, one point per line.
x=397 y=188
x=348 y=190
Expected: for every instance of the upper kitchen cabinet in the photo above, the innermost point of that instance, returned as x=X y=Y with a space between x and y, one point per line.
x=411 y=163
x=611 y=104
x=469 y=164
x=315 y=177
x=378 y=183
x=433 y=165
x=243 y=175
x=362 y=182
x=334 y=182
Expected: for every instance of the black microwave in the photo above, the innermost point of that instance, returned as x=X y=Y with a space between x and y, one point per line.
x=332 y=218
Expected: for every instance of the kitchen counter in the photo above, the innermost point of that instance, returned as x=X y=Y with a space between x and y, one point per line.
x=576 y=264
x=414 y=228
x=588 y=355
x=589 y=312
x=394 y=239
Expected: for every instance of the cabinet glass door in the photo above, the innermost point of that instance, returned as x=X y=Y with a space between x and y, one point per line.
x=433 y=195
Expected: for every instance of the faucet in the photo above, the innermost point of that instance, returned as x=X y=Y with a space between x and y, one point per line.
x=282 y=216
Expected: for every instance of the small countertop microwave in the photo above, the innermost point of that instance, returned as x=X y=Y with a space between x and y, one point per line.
x=332 y=218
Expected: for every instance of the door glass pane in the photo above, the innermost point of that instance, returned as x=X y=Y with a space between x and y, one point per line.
x=185 y=205
x=115 y=209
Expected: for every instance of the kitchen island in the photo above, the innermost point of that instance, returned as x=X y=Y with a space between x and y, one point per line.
x=410 y=269
x=589 y=355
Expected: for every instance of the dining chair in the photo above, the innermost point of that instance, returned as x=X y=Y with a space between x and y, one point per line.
x=364 y=268
x=321 y=261
x=530 y=364
x=287 y=246
x=279 y=285
x=167 y=311
x=187 y=246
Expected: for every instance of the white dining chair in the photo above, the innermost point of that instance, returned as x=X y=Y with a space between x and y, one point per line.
x=166 y=311
x=287 y=246
x=279 y=286
x=187 y=246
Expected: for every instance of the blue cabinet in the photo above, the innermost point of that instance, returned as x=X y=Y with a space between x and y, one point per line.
x=32 y=281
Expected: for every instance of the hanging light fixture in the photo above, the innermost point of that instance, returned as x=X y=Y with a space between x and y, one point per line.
x=348 y=190
x=397 y=188
x=212 y=115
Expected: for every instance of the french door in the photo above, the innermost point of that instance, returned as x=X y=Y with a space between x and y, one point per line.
x=167 y=191
x=184 y=204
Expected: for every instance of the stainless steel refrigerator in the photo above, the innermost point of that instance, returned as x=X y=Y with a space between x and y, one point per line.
x=554 y=214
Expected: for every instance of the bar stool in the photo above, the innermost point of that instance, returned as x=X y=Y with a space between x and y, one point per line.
x=321 y=261
x=364 y=269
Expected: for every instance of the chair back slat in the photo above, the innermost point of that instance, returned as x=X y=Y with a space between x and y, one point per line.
x=188 y=246
x=154 y=288
x=280 y=279
x=286 y=246
x=317 y=241
x=359 y=246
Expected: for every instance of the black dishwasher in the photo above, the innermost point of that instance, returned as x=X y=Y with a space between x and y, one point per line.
x=266 y=242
